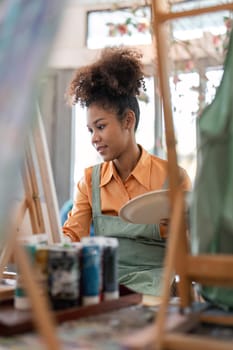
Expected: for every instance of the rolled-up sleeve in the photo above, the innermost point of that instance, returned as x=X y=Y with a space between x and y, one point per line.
x=79 y=218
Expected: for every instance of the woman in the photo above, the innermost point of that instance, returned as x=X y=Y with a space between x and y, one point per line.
x=108 y=88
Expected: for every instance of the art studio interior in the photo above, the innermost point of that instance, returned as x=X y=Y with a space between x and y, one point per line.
x=116 y=189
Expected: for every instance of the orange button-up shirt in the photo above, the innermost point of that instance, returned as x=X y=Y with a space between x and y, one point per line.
x=149 y=174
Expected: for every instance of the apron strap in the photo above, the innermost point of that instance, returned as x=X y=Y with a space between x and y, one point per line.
x=96 y=207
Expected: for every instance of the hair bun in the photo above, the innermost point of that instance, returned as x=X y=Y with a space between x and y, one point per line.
x=118 y=72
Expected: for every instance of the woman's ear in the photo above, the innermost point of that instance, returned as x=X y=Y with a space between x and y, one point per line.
x=130 y=120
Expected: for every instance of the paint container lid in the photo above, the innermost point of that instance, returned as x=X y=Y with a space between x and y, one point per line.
x=111 y=295
x=90 y=241
x=22 y=303
x=111 y=242
x=90 y=300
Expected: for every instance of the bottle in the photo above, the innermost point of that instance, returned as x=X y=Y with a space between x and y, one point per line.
x=21 y=299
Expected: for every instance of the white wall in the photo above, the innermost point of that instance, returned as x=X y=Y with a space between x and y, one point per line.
x=69 y=49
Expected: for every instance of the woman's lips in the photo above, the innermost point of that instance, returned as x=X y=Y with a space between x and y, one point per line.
x=101 y=149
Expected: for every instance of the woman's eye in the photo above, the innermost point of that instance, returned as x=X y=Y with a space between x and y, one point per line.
x=100 y=127
x=90 y=131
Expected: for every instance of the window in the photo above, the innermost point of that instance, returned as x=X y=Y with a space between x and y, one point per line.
x=118 y=27
x=185 y=94
x=197 y=49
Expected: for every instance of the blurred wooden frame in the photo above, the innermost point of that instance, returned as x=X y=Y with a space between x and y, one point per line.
x=39 y=206
x=43 y=318
x=37 y=183
x=213 y=270
x=32 y=200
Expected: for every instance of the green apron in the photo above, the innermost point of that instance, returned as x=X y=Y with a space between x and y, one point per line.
x=141 y=249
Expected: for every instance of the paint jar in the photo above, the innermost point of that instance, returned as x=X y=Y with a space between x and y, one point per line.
x=110 y=269
x=63 y=277
x=91 y=281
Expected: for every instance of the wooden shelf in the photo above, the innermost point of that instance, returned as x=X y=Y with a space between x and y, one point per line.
x=14 y=321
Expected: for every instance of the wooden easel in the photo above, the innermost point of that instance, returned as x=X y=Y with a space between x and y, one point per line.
x=38 y=183
x=188 y=267
x=32 y=202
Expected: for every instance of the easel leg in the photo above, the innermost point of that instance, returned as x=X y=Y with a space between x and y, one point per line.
x=41 y=314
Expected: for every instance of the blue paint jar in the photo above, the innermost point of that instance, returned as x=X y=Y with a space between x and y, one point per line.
x=90 y=271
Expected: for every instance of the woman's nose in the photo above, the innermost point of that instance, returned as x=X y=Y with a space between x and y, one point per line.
x=95 y=137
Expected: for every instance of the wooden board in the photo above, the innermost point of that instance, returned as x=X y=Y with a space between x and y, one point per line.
x=14 y=321
x=6 y=292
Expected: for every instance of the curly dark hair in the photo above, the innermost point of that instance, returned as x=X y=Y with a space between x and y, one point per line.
x=113 y=81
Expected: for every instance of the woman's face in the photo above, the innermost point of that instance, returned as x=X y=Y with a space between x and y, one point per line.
x=109 y=136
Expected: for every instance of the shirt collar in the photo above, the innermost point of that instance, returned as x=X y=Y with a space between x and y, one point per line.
x=141 y=172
